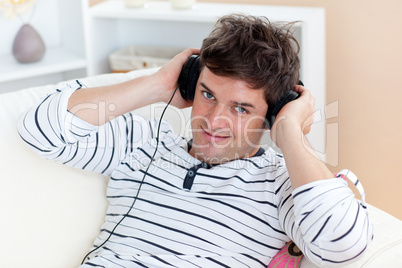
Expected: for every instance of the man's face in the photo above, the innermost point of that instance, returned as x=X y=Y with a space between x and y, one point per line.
x=227 y=119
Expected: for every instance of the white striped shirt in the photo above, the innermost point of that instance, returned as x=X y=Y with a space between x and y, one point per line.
x=237 y=214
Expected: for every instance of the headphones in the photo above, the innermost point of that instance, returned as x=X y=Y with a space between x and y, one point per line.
x=188 y=81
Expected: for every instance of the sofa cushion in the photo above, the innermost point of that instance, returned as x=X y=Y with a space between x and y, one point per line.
x=48 y=210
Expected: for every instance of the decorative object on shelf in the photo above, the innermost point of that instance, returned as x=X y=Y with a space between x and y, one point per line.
x=135 y=3
x=28 y=45
x=182 y=4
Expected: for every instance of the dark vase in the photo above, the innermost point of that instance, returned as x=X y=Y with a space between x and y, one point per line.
x=28 y=45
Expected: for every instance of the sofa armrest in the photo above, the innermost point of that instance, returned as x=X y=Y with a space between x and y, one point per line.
x=386 y=248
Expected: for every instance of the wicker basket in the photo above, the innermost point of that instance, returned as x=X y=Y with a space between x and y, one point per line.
x=140 y=57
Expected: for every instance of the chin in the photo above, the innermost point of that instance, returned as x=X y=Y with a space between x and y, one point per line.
x=212 y=155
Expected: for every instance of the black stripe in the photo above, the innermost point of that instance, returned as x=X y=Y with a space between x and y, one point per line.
x=111 y=157
x=306 y=214
x=61 y=152
x=161 y=260
x=159 y=179
x=127 y=133
x=178 y=165
x=37 y=148
x=78 y=135
x=283 y=183
x=345 y=260
x=350 y=229
x=94 y=153
x=133 y=261
x=287 y=213
x=322 y=228
x=236 y=176
x=284 y=201
x=142 y=150
x=37 y=121
x=132 y=132
x=301 y=192
x=164 y=145
x=75 y=154
x=150 y=127
x=80 y=85
x=93 y=264
x=254 y=259
x=56 y=133
x=217 y=262
x=252 y=162
x=240 y=197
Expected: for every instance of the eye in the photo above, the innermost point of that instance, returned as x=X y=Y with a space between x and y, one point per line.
x=208 y=95
x=240 y=110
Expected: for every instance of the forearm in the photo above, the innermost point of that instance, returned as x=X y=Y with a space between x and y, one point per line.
x=102 y=104
x=322 y=216
x=54 y=133
x=303 y=164
x=99 y=105
x=44 y=125
x=327 y=223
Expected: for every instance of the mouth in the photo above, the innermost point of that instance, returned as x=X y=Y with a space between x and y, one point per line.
x=214 y=137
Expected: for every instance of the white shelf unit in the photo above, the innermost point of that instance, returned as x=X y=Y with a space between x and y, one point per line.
x=111 y=26
x=60 y=24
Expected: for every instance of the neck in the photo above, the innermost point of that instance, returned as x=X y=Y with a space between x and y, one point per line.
x=256 y=152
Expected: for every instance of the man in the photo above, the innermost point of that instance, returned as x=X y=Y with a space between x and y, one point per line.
x=218 y=199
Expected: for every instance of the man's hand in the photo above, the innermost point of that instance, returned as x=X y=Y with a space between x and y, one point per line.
x=288 y=133
x=299 y=112
x=168 y=76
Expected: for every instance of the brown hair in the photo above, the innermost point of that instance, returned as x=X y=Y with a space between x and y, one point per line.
x=254 y=50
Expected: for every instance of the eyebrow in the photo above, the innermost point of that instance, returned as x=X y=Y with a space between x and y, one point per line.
x=245 y=104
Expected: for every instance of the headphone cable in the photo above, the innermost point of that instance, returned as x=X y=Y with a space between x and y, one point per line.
x=141 y=183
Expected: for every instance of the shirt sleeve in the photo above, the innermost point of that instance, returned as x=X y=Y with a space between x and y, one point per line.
x=325 y=220
x=57 y=134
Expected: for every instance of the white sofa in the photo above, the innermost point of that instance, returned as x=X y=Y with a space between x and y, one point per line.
x=51 y=213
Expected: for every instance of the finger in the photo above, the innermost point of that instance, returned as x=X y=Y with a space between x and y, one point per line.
x=188 y=52
x=194 y=51
x=299 y=89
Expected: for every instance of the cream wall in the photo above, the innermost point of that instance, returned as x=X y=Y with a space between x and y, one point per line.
x=364 y=41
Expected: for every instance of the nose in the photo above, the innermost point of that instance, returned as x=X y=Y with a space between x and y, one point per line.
x=218 y=119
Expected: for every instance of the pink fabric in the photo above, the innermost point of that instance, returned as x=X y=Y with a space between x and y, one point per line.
x=289 y=256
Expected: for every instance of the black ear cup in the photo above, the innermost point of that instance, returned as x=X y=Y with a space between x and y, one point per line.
x=189 y=76
x=273 y=110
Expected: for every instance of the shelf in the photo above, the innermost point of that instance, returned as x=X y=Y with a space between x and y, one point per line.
x=60 y=24
x=55 y=60
x=201 y=12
